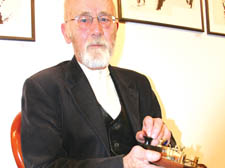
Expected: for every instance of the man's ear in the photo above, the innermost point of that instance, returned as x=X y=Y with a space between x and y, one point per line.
x=66 y=34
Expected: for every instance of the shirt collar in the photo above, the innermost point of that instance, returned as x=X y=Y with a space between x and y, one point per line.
x=95 y=74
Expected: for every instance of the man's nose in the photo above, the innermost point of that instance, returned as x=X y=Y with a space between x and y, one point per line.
x=96 y=27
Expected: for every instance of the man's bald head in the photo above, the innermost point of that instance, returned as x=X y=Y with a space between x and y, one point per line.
x=70 y=7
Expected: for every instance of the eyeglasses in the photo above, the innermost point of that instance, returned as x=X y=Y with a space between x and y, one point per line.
x=85 y=21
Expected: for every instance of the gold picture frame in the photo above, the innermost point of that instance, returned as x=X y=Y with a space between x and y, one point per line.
x=17 y=20
x=215 y=16
x=184 y=14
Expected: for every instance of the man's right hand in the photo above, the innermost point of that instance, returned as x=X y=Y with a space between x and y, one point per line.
x=139 y=157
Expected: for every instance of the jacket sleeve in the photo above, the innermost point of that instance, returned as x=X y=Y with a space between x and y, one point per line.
x=149 y=103
x=41 y=133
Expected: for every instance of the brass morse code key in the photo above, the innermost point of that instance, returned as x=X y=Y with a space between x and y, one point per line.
x=172 y=157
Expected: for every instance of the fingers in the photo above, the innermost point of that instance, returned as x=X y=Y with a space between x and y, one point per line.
x=152 y=156
x=154 y=128
x=138 y=157
x=157 y=128
x=148 y=124
x=167 y=134
x=140 y=136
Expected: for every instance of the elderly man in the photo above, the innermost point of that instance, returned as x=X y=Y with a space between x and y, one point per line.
x=85 y=113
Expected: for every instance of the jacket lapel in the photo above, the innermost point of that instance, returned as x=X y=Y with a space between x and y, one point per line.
x=87 y=104
x=86 y=101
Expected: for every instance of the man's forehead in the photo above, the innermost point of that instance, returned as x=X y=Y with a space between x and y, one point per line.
x=94 y=7
x=101 y=13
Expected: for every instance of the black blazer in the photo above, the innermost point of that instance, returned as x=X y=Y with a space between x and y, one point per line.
x=62 y=125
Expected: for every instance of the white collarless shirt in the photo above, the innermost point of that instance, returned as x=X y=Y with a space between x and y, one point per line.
x=104 y=89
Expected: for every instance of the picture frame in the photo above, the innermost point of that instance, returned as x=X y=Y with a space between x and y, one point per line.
x=17 y=20
x=215 y=16
x=183 y=14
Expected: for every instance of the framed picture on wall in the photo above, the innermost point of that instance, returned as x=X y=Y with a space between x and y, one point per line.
x=17 y=21
x=185 y=14
x=215 y=13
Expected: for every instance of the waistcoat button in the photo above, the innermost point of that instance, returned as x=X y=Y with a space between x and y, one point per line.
x=116 y=145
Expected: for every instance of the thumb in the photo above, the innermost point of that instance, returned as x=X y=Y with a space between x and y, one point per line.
x=152 y=156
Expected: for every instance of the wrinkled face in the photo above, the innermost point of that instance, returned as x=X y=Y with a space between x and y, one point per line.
x=93 y=45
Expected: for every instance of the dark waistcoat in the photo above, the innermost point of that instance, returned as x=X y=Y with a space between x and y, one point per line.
x=120 y=133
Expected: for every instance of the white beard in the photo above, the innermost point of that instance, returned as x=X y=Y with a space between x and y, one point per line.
x=96 y=58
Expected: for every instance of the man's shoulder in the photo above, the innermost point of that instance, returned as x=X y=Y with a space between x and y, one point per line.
x=51 y=74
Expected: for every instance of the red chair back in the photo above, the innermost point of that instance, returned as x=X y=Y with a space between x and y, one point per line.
x=16 y=141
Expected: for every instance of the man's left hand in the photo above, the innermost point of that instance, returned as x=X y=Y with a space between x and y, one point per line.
x=154 y=128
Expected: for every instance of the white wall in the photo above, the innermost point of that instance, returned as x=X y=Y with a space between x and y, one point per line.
x=186 y=68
